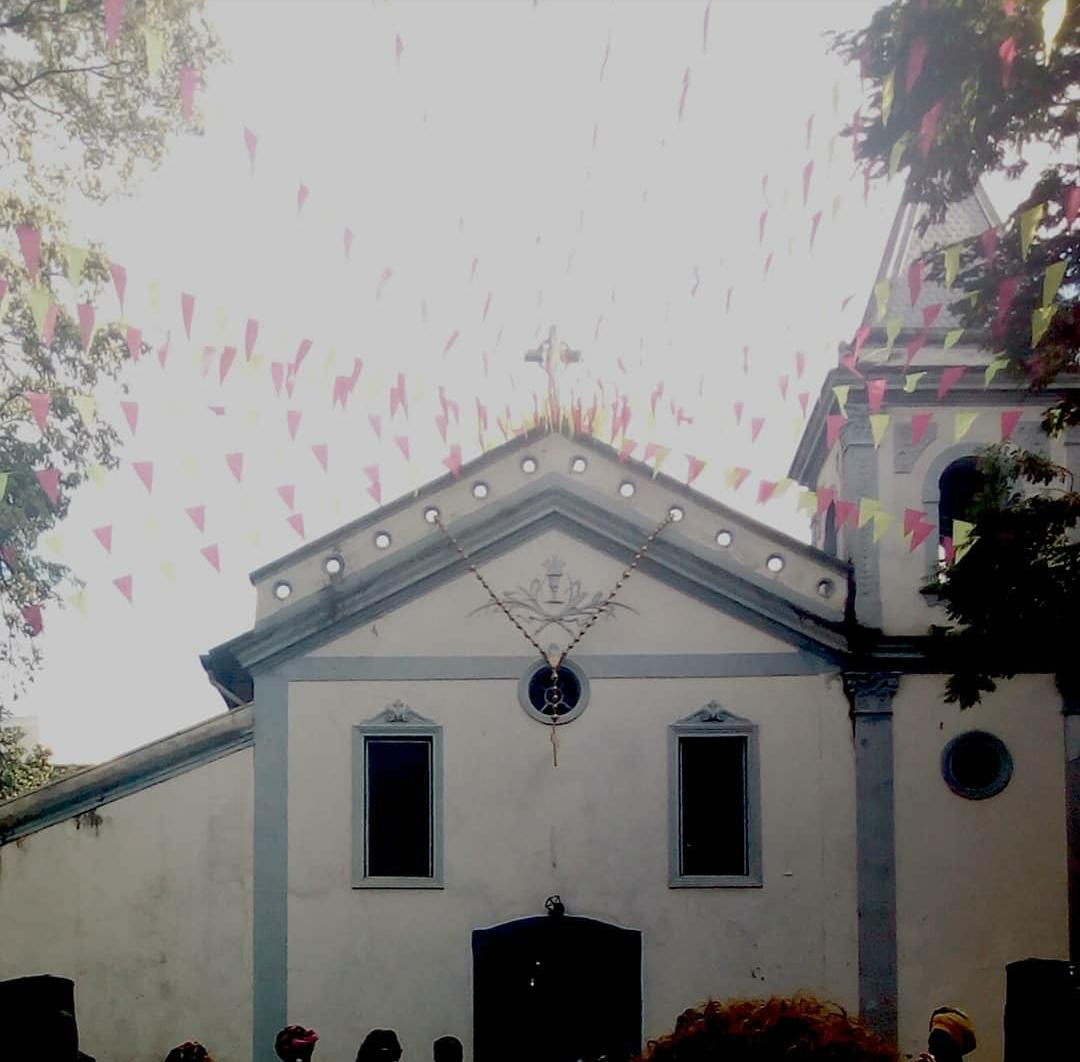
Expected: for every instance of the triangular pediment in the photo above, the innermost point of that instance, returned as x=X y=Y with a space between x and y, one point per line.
x=592 y=507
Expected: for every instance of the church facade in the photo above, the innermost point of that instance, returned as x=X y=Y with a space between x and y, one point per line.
x=744 y=782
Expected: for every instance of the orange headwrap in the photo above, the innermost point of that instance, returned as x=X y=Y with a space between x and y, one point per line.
x=956 y=1025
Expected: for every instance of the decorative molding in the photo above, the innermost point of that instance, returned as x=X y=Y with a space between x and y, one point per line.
x=714 y=714
x=871 y=692
x=905 y=452
x=398 y=713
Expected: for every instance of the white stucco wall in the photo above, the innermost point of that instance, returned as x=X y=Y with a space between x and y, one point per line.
x=147 y=906
x=594 y=829
x=980 y=883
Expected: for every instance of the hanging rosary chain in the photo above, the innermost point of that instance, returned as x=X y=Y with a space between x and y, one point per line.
x=597 y=613
x=491 y=593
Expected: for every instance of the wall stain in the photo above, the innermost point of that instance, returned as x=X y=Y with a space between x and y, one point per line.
x=90 y=819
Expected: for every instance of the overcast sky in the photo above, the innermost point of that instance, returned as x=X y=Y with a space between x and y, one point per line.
x=533 y=153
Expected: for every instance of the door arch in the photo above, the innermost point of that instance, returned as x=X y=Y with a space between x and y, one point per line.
x=556 y=989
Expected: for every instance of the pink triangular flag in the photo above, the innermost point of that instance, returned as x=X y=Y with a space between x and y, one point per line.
x=228 y=356
x=740 y=477
x=145 y=471
x=762 y=219
x=949 y=379
x=875 y=393
x=32 y=615
x=187 y=308
x=302 y=352
x=1072 y=204
x=453 y=338
x=198 y=516
x=40 y=401
x=441 y=423
x=815 y=221
x=861 y=337
x=251 y=142
x=119 y=276
x=694 y=468
x=756 y=424
x=765 y=490
x=685 y=89
x=251 y=332
x=126 y=585
x=919 y=535
x=50 y=480
x=825 y=497
x=846 y=511
x=30 y=245
x=277 y=374
x=322 y=454
x=804 y=401
x=218 y=411
x=487 y=306
x=104 y=536
x=1009 y=419
x=287 y=493
x=301 y=196
x=919 y=424
x=453 y=461
x=114 y=15
x=807 y=173
x=930 y=314
x=235 y=461
x=782 y=383
x=928 y=127
x=950 y=550
x=834 y=424
x=376 y=424
x=134 y=342
x=1006 y=293
x=627 y=448
x=916 y=58
x=348 y=239
x=212 y=554
x=1007 y=52
x=403 y=445
x=800 y=363
x=913 y=348
x=292 y=418
x=915 y=279
x=989 y=241
x=738 y=412
x=51 y=316
x=375 y=490
x=189 y=79
x=131 y=414
x=912 y=519
x=399 y=47
x=86 y=323
x=163 y=350
x=296 y=522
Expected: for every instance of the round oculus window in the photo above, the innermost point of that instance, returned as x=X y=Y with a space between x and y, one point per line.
x=559 y=698
x=976 y=765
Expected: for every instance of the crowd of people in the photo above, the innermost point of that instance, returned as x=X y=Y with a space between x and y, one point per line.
x=801 y=1029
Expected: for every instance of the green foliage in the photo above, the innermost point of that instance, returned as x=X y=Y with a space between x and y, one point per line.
x=75 y=115
x=22 y=770
x=1011 y=590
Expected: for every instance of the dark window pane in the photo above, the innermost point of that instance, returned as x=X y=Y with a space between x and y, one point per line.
x=957 y=488
x=712 y=805
x=399 y=807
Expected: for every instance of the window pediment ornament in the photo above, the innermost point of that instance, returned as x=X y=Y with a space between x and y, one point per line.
x=714 y=713
x=398 y=712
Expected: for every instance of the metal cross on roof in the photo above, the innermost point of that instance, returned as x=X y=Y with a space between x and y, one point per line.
x=551 y=348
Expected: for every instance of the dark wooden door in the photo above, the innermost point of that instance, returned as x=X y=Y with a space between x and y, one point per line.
x=556 y=989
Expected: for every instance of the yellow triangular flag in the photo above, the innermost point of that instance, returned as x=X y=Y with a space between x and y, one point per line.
x=3 y=483
x=867 y=508
x=782 y=487
x=993 y=369
x=662 y=454
x=1029 y=222
x=78 y=600
x=731 y=477
x=168 y=569
x=882 y=290
x=86 y=406
x=39 y=307
x=911 y=381
x=251 y=418
x=155 y=45
x=76 y=259
x=878 y=424
x=952 y=337
x=962 y=424
x=961 y=536
x=888 y=93
x=419 y=391
x=836 y=204
x=892 y=329
x=807 y=502
x=841 y=391
x=190 y=465
x=1040 y=322
x=897 y=153
x=254 y=536
x=97 y=474
x=952 y=264
x=1055 y=274
x=882 y=522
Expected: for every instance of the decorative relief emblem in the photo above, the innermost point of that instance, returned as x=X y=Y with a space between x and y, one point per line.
x=556 y=600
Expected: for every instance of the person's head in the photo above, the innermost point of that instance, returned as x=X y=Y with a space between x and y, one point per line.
x=951 y=1034
x=447 y=1049
x=191 y=1051
x=295 y=1043
x=380 y=1045
x=772 y=1030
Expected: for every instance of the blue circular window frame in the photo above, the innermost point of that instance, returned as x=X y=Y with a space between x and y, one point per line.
x=561 y=720
x=993 y=787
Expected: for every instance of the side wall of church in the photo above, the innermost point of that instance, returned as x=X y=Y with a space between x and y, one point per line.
x=594 y=830
x=147 y=905
x=980 y=883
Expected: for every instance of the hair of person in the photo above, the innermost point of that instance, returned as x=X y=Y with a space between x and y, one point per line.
x=380 y=1045
x=798 y=1029
x=448 y=1049
x=191 y=1051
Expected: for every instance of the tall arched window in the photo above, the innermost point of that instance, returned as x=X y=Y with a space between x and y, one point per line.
x=959 y=484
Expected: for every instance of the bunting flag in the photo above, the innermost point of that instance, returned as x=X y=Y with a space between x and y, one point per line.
x=993 y=369
x=807 y=503
x=989 y=241
x=875 y=393
x=1009 y=419
x=807 y=174
x=134 y=342
x=834 y=424
x=627 y=448
x=867 y=508
x=1007 y=53
x=952 y=264
x=1029 y=222
x=453 y=460
x=949 y=379
x=930 y=314
x=736 y=477
x=952 y=337
x=86 y=324
x=187 y=309
x=928 y=127
x=1040 y=322
x=296 y=522
x=896 y=155
x=301 y=196
x=841 y=391
x=826 y=496
x=104 y=536
x=861 y=336
x=31 y=614
x=40 y=403
x=893 y=325
x=916 y=58
x=213 y=556
x=76 y=261
x=292 y=420
x=756 y=424
x=888 y=93
x=251 y=333
x=30 y=246
x=251 y=142
x=287 y=493
x=765 y=491
x=197 y=514
x=131 y=414
x=1052 y=279
x=882 y=521
x=228 y=356
x=920 y=423
x=694 y=468
x=815 y=221
x=189 y=81
x=235 y=461
x=1072 y=204
x=962 y=424
x=913 y=348
x=846 y=512
x=126 y=585
x=882 y=290
x=879 y=422
x=322 y=455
